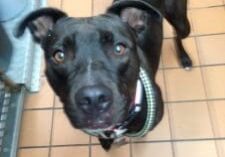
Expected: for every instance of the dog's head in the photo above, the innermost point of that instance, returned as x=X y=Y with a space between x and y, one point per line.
x=92 y=63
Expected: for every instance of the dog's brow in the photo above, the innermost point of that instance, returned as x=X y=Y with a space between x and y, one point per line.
x=106 y=36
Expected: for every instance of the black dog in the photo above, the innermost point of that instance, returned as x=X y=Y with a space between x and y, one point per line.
x=93 y=64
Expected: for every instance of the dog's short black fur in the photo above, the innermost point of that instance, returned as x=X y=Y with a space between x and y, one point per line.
x=93 y=63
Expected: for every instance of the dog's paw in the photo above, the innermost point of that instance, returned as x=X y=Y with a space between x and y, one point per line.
x=186 y=62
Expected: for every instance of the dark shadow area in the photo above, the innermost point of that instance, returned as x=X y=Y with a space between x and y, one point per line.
x=6 y=49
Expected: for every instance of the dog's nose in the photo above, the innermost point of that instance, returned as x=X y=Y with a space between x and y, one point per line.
x=94 y=97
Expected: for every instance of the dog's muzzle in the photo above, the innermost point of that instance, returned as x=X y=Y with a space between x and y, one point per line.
x=144 y=85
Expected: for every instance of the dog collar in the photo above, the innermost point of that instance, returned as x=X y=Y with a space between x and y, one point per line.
x=151 y=105
x=144 y=83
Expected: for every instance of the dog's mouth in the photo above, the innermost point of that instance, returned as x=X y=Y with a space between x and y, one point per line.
x=114 y=122
x=114 y=130
x=133 y=107
x=88 y=113
x=101 y=125
x=104 y=123
x=94 y=121
x=99 y=130
x=119 y=112
x=107 y=122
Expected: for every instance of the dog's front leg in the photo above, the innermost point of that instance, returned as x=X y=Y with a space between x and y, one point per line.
x=176 y=14
x=106 y=143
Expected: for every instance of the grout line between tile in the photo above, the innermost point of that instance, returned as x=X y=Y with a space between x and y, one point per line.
x=172 y=132
x=224 y=4
x=92 y=7
x=198 y=35
x=134 y=142
x=38 y=109
x=168 y=102
x=195 y=66
x=58 y=146
x=166 y=107
x=131 y=147
x=90 y=147
x=208 y=108
x=199 y=8
x=197 y=100
x=51 y=135
x=182 y=140
x=61 y=4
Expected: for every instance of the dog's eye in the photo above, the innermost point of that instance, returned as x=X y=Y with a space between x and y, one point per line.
x=120 y=49
x=59 y=57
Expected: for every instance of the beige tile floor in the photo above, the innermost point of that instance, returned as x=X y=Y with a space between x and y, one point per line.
x=194 y=121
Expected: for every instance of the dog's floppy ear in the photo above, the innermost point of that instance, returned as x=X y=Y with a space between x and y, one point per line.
x=133 y=11
x=39 y=22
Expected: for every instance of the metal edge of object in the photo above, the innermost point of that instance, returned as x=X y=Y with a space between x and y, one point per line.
x=17 y=69
x=17 y=118
x=34 y=71
x=31 y=65
x=14 y=102
x=34 y=85
x=18 y=100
